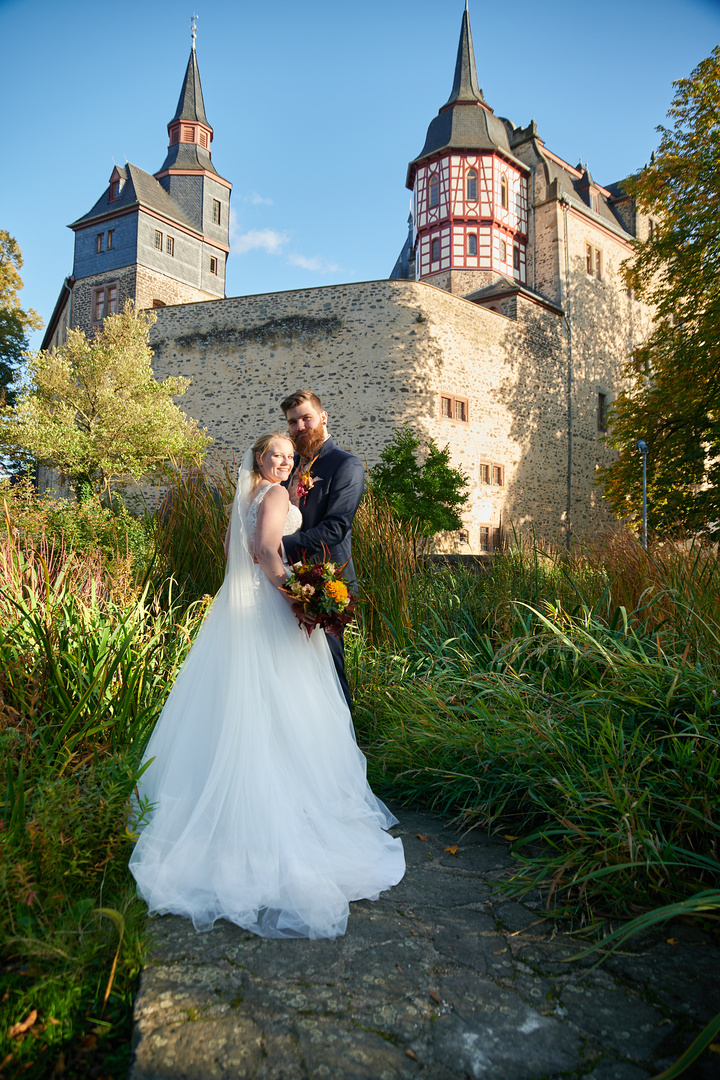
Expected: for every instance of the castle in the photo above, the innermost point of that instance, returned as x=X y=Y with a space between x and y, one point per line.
x=501 y=332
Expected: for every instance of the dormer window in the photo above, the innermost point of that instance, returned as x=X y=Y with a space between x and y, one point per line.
x=114 y=190
x=504 y=191
x=594 y=201
x=471 y=185
x=434 y=190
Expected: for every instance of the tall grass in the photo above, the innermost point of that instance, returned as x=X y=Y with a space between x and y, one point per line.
x=84 y=668
x=570 y=699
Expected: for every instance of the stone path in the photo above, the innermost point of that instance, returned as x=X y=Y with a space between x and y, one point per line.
x=442 y=978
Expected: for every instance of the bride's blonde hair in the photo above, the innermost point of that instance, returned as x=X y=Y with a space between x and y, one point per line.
x=260 y=447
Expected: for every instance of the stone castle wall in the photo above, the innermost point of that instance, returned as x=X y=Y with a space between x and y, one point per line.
x=135 y=282
x=383 y=353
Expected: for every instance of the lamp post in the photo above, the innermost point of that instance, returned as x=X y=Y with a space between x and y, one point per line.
x=642 y=447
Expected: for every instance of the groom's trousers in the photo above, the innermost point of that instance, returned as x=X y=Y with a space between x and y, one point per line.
x=338 y=654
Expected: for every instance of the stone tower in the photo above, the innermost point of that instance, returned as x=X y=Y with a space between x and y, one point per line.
x=159 y=239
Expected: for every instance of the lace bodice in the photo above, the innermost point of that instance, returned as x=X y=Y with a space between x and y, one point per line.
x=293 y=521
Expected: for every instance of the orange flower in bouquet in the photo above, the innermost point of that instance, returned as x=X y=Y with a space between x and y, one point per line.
x=320 y=598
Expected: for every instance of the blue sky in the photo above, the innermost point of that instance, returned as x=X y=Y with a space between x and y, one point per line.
x=317 y=108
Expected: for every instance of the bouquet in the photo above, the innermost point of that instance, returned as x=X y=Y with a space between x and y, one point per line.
x=320 y=597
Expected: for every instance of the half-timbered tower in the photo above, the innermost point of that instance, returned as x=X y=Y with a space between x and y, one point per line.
x=470 y=192
x=156 y=239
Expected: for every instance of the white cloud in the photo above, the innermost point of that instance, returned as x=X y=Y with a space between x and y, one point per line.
x=268 y=240
x=257 y=200
x=315 y=263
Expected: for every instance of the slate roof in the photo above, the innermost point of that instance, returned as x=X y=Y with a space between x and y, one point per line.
x=466 y=121
x=188 y=156
x=139 y=190
x=401 y=269
x=190 y=104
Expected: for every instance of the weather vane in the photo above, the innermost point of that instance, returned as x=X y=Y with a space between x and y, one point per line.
x=193 y=29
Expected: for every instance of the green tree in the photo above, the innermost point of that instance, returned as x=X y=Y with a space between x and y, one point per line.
x=673 y=402
x=14 y=322
x=420 y=484
x=94 y=410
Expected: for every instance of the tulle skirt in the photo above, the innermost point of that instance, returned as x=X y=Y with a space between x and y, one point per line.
x=261 y=811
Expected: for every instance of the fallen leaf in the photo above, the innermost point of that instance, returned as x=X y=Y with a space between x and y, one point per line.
x=410 y=1054
x=414 y=933
x=5 y=1061
x=434 y=996
x=421 y=837
x=499 y=952
x=512 y=837
x=398 y=967
x=18 y=1029
x=89 y=1042
x=453 y=849
x=673 y=941
x=714 y=1048
x=52 y=1020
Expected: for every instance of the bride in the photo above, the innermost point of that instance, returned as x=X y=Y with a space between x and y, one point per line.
x=260 y=811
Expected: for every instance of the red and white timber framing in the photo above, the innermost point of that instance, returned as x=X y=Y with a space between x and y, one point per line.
x=457 y=232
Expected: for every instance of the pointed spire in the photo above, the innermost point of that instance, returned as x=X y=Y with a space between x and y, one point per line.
x=190 y=104
x=465 y=85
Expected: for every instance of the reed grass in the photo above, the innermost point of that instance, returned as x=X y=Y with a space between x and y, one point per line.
x=85 y=664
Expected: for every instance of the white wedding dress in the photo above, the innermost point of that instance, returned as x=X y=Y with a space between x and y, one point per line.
x=261 y=811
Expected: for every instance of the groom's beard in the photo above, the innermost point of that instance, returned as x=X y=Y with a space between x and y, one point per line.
x=309 y=443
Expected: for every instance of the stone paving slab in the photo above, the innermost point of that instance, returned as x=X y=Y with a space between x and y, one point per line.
x=442 y=978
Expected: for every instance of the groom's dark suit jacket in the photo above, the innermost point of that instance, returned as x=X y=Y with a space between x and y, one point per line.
x=329 y=508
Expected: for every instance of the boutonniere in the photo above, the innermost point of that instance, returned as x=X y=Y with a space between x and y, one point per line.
x=306 y=481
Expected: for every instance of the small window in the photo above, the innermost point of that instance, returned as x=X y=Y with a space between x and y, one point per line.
x=170 y=245
x=497 y=475
x=516 y=258
x=114 y=190
x=484 y=537
x=175 y=136
x=472 y=243
x=111 y=239
x=454 y=408
x=104 y=301
x=213 y=265
x=484 y=473
x=588 y=259
x=463 y=537
x=158 y=303
x=497 y=539
x=503 y=251
x=594 y=201
x=504 y=191
x=99 y=242
x=203 y=138
x=598 y=264
x=434 y=190
x=188 y=133
x=471 y=181
x=216 y=212
x=158 y=240
x=602 y=403
x=435 y=255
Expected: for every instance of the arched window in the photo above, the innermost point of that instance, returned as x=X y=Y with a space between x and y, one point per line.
x=434 y=190
x=472 y=243
x=471 y=185
x=504 y=192
x=435 y=250
x=503 y=251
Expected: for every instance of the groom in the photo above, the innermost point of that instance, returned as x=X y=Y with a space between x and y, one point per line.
x=336 y=484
